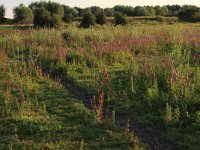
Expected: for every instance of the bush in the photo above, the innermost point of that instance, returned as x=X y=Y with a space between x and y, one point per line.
x=120 y=19
x=88 y=20
x=101 y=18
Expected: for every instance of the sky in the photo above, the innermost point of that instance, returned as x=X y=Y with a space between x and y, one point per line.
x=10 y=4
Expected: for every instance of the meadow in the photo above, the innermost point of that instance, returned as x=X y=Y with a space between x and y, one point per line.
x=148 y=73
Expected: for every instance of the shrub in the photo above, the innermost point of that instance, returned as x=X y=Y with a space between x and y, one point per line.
x=101 y=18
x=88 y=20
x=120 y=19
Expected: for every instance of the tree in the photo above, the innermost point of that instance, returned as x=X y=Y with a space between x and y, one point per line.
x=86 y=11
x=196 y=16
x=189 y=13
x=174 y=9
x=150 y=11
x=140 y=11
x=129 y=11
x=120 y=19
x=69 y=13
x=95 y=10
x=56 y=21
x=120 y=8
x=47 y=14
x=2 y=12
x=162 y=11
x=55 y=9
x=23 y=14
x=88 y=20
x=80 y=11
x=35 y=5
x=42 y=17
x=101 y=18
x=109 y=11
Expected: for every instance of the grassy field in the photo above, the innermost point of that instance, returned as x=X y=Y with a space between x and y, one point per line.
x=150 y=73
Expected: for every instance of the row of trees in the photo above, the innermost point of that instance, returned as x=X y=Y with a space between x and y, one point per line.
x=53 y=14
x=168 y=10
x=190 y=14
x=89 y=19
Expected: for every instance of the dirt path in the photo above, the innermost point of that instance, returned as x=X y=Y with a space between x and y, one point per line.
x=151 y=137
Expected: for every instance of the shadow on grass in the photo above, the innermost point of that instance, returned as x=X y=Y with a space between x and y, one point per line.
x=65 y=123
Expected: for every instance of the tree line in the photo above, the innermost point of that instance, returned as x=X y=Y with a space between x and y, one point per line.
x=53 y=14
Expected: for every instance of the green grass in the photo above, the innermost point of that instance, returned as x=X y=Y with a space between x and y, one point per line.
x=39 y=113
x=149 y=72
x=56 y=121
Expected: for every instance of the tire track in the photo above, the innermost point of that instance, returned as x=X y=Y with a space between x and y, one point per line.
x=151 y=137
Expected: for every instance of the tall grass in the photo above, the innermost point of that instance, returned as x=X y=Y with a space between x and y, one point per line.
x=149 y=72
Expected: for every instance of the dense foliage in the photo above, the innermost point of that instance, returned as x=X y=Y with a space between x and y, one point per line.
x=69 y=14
x=42 y=17
x=23 y=14
x=120 y=19
x=47 y=14
x=2 y=12
x=59 y=13
x=101 y=18
x=190 y=13
x=126 y=10
x=88 y=20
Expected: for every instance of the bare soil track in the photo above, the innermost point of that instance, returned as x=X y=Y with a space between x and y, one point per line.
x=153 y=139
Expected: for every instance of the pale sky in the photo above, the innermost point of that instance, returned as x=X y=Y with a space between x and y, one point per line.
x=10 y=4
